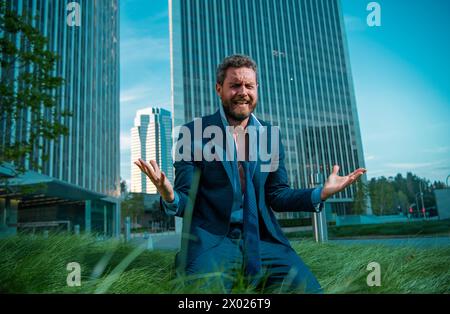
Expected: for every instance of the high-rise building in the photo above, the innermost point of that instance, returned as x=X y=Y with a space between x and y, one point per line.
x=305 y=82
x=85 y=35
x=151 y=139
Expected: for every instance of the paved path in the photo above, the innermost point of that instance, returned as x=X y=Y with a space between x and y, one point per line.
x=159 y=241
x=171 y=241
x=422 y=242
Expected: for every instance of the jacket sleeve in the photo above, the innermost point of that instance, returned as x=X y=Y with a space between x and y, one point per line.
x=184 y=173
x=280 y=196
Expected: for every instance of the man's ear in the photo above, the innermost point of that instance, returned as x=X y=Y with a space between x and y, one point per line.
x=218 y=89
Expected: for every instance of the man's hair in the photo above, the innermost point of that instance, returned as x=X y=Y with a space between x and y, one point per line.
x=234 y=61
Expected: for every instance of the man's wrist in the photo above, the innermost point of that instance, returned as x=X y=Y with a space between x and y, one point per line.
x=170 y=198
x=171 y=208
x=323 y=195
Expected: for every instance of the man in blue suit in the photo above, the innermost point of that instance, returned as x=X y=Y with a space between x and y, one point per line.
x=232 y=228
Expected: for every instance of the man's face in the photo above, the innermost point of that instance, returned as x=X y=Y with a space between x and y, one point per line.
x=239 y=93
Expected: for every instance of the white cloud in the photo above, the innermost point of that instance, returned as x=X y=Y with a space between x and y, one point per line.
x=135 y=93
x=125 y=141
x=376 y=173
x=412 y=165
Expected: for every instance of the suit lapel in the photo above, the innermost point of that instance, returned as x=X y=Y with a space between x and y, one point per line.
x=221 y=153
x=259 y=177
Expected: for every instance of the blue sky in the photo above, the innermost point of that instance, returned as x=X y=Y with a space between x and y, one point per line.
x=401 y=75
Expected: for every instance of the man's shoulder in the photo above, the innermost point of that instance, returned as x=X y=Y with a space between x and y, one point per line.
x=205 y=121
x=263 y=122
x=260 y=121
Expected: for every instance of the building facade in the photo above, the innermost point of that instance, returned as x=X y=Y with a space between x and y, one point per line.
x=85 y=34
x=305 y=82
x=151 y=139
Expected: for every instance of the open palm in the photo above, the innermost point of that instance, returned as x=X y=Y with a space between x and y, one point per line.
x=157 y=177
x=336 y=183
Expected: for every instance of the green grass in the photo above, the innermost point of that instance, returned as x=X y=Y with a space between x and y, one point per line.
x=420 y=228
x=38 y=265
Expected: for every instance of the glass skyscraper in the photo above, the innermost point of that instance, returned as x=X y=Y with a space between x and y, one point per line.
x=151 y=139
x=89 y=65
x=305 y=82
x=81 y=178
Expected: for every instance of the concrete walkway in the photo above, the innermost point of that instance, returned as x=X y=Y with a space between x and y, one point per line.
x=158 y=241
x=422 y=242
x=172 y=241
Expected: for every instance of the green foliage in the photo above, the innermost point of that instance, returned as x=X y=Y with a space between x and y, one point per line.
x=407 y=269
x=132 y=205
x=360 y=199
x=123 y=187
x=38 y=265
x=412 y=185
x=405 y=228
x=297 y=222
x=35 y=264
x=401 y=200
x=28 y=91
x=394 y=195
x=382 y=196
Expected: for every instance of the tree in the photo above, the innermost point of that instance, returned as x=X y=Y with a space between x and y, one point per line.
x=382 y=196
x=389 y=195
x=133 y=206
x=28 y=89
x=401 y=201
x=158 y=215
x=360 y=200
x=437 y=185
x=123 y=187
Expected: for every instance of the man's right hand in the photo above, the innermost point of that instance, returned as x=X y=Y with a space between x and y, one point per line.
x=158 y=178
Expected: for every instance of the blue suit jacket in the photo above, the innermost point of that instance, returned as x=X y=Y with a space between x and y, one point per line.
x=216 y=197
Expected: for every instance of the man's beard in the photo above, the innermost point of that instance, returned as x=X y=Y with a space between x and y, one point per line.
x=238 y=116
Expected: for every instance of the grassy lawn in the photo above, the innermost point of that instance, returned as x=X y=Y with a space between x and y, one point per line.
x=37 y=265
x=420 y=228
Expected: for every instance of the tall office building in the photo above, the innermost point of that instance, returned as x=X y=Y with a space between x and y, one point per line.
x=85 y=35
x=151 y=139
x=89 y=64
x=305 y=82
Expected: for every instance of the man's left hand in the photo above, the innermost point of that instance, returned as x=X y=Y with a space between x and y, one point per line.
x=335 y=183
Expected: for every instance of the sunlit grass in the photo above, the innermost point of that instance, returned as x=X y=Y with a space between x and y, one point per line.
x=404 y=269
x=38 y=265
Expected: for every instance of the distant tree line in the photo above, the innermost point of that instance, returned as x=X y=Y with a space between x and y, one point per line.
x=394 y=195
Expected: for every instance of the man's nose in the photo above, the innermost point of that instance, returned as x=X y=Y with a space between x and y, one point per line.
x=243 y=91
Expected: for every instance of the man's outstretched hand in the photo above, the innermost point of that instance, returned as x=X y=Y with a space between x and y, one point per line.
x=158 y=178
x=335 y=183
